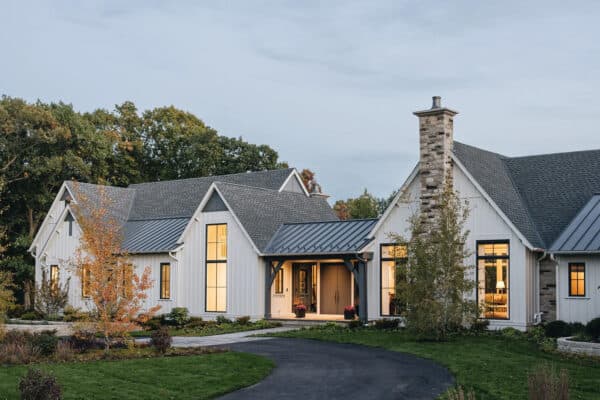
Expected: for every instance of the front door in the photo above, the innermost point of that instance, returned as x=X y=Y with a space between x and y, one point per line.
x=335 y=288
x=304 y=284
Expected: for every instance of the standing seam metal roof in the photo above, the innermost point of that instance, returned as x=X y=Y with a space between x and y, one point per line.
x=332 y=237
x=582 y=235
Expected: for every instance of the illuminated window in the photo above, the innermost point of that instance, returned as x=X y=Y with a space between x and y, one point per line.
x=493 y=267
x=393 y=257
x=85 y=281
x=216 y=268
x=54 y=277
x=577 y=279
x=279 y=282
x=165 y=281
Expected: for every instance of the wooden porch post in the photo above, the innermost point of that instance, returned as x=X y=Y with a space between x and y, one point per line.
x=270 y=273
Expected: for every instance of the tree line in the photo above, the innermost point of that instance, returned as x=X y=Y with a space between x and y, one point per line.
x=43 y=144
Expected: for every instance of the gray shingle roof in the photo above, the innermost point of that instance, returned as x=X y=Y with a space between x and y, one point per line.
x=335 y=237
x=582 y=235
x=180 y=198
x=539 y=194
x=154 y=215
x=262 y=211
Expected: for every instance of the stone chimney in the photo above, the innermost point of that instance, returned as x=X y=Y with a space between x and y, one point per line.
x=436 y=127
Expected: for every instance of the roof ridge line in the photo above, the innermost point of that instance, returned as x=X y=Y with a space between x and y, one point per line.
x=159 y=218
x=212 y=176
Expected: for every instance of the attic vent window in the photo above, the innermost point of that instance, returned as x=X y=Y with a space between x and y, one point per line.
x=69 y=219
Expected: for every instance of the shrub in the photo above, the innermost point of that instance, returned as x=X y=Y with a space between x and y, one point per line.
x=576 y=328
x=31 y=316
x=545 y=384
x=161 y=340
x=20 y=337
x=460 y=394
x=386 y=323
x=15 y=311
x=242 y=320
x=222 y=320
x=153 y=323
x=593 y=329
x=18 y=353
x=355 y=323
x=480 y=325
x=49 y=298
x=38 y=385
x=179 y=316
x=511 y=332
x=64 y=351
x=556 y=329
x=72 y=314
x=195 y=322
x=45 y=341
x=83 y=339
x=536 y=334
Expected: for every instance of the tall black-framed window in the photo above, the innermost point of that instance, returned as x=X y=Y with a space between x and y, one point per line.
x=165 y=281
x=577 y=279
x=392 y=258
x=216 y=268
x=493 y=278
x=279 y=282
x=54 y=278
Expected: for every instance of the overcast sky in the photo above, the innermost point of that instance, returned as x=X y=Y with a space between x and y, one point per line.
x=330 y=86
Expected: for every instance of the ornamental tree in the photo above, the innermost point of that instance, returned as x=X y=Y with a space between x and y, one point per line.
x=114 y=291
x=435 y=284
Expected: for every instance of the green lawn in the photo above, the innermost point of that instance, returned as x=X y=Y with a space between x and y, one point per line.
x=495 y=367
x=186 y=377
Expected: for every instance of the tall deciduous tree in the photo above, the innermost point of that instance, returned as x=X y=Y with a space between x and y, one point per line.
x=115 y=292
x=436 y=286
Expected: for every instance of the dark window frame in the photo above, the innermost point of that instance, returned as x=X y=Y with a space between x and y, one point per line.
x=381 y=260
x=569 y=280
x=279 y=281
x=478 y=257
x=162 y=282
x=207 y=262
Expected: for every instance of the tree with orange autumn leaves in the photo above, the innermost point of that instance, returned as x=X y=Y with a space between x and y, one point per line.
x=110 y=284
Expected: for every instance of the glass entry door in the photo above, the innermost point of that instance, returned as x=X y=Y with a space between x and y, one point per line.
x=304 y=284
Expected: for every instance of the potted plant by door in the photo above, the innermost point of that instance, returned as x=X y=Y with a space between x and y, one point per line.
x=349 y=312
x=300 y=311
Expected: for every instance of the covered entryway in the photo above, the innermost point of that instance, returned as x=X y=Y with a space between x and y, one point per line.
x=319 y=265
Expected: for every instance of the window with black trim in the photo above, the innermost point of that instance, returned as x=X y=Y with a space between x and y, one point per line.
x=216 y=268
x=85 y=281
x=577 y=279
x=493 y=274
x=165 y=281
x=279 y=282
x=392 y=258
x=54 y=278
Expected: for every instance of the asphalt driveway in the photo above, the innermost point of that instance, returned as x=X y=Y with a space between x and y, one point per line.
x=307 y=369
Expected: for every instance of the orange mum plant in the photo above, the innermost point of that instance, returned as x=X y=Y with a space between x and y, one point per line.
x=109 y=282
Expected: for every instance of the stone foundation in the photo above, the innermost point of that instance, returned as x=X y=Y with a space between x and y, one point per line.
x=548 y=290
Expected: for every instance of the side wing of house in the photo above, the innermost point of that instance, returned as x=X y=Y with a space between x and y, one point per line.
x=504 y=267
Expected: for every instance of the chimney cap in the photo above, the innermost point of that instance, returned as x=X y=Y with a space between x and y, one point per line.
x=436 y=108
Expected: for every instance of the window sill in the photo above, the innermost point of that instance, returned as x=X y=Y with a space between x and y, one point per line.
x=165 y=300
x=577 y=298
x=278 y=294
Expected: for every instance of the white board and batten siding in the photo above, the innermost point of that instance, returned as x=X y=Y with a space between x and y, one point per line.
x=578 y=309
x=245 y=270
x=484 y=224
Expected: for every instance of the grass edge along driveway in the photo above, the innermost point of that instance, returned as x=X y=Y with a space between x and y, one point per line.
x=184 y=377
x=495 y=366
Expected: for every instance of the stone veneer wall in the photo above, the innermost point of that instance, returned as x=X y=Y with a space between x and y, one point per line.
x=436 y=139
x=548 y=290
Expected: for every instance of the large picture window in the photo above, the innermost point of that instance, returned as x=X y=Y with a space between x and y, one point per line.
x=493 y=274
x=165 y=281
x=393 y=256
x=577 y=279
x=216 y=268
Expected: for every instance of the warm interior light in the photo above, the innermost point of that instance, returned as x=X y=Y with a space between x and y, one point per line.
x=500 y=285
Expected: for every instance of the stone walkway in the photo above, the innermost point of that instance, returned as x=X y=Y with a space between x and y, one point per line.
x=224 y=339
